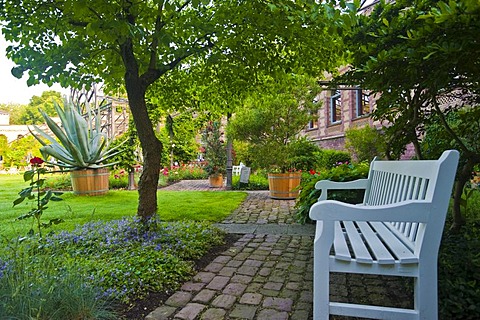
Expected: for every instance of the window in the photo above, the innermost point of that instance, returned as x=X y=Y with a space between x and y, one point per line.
x=313 y=124
x=362 y=103
x=336 y=106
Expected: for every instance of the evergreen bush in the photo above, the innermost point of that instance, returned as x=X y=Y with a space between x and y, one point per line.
x=340 y=173
x=329 y=158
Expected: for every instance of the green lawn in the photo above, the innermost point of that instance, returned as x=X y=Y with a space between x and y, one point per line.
x=172 y=206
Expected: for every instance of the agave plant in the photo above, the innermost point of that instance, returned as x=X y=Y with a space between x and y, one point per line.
x=79 y=144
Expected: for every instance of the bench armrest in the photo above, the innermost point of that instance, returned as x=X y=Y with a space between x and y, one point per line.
x=326 y=185
x=407 y=211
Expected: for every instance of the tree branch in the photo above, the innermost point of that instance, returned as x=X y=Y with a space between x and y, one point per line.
x=448 y=128
x=153 y=74
x=154 y=45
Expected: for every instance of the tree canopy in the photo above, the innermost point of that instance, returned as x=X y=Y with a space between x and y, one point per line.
x=423 y=58
x=131 y=44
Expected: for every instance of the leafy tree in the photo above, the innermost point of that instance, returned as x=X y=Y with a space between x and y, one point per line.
x=435 y=45
x=132 y=44
x=365 y=143
x=3 y=148
x=271 y=120
x=15 y=111
x=19 y=150
x=179 y=139
x=31 y=114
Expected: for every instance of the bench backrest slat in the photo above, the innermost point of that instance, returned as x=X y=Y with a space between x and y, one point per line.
x=398 y=181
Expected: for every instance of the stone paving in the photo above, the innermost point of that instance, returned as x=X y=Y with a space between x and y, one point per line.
x=268 y=273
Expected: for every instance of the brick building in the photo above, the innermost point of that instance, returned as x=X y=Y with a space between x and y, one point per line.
x=340 y=109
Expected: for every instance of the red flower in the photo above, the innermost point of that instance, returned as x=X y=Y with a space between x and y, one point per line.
x=36 y=161
x=312 y=172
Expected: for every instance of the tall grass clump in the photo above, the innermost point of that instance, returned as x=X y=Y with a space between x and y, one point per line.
x=34 y=285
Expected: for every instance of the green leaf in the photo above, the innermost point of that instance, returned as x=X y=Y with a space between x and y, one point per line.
x=28 y=175
x=18 y=201
x=25 y=193
x=17 y=72
x=56 y=221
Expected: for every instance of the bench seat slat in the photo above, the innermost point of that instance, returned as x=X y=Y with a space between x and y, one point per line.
x=340 y=244
x=381 y=253
x=398 y=248
x=358 y=246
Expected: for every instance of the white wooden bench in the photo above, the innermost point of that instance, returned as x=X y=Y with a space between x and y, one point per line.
x=396 y=231
x=236 y=170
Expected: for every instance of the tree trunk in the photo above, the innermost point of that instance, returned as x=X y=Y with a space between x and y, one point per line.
x=229 y=159
x=152 y=148
x=462 y=177
x=418 y=149
x=152 y=151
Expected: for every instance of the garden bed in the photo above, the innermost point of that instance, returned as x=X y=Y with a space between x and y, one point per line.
x=140 y=308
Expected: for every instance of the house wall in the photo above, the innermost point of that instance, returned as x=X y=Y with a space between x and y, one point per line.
x=330 y=135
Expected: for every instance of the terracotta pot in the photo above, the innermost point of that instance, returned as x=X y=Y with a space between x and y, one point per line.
x=283 y=185
x=90 y=182
x=216 y=181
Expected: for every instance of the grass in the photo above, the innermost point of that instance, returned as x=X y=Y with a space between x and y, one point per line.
x=101 y=259
x=76 y=210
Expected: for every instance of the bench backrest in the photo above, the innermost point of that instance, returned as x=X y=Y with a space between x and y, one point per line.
x=426 y=180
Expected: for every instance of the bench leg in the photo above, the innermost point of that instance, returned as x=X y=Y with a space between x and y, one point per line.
x=426 y=292
x=321 y=289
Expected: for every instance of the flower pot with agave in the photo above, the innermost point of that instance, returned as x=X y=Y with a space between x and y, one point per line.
x=77 y=146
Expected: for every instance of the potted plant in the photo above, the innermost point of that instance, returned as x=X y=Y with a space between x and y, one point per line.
x=77 y=146
x=215 y=153
x=270 y=122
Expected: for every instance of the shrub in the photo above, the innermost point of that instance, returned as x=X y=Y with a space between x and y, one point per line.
x=459 y=266
x=257 y=181
x=118 y=179
x=58 y=181
x=302 y=154
x=459 y=274
x=125 y=257
x=191 y=171
x=365 y=143
x=344 y=172
x=329 y=158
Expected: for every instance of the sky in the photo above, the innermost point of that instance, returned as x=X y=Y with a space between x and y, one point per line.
x=13 y=90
